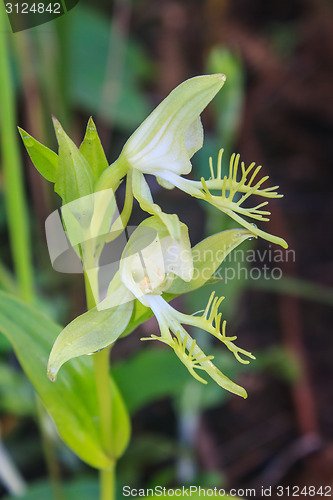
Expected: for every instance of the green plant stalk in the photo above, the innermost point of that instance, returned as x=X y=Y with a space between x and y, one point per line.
x=16 y=205
x=102 y=369
x=16 y=208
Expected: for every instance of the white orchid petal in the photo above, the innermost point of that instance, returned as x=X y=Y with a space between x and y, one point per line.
x=178 y=255
x=172 y=133
x=142 y=194
x=194 y=137
x=151 y=255
x=165 y=184
x=193 y=188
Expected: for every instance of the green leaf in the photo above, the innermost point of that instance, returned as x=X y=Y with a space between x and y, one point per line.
x=92 y=331
x=7 y=281
x=75 y=178
x=72 y=401
x=140 y=314
x=207 y=257
x=158 y=374
x=76 y=490
x=288 y=285
x=16 y=396
x=44 y=159
x=4 y=344
x=92 y=150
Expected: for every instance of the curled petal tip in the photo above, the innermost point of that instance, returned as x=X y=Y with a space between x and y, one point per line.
x=51 y=374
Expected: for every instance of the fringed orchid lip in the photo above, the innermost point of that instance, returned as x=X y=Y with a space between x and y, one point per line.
x=186 y=348
x=228 y=193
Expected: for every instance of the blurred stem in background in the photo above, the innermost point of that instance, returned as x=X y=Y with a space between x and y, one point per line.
x=16 y=206
x=8 y=473
x=51 y=54
x=61 y=70
x=33 y=117
x=49 y=450
x=115 y=63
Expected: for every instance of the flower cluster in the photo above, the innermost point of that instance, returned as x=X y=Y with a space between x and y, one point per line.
x=157 y=262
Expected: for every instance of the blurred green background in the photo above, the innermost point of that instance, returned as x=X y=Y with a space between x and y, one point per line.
x=116 y=62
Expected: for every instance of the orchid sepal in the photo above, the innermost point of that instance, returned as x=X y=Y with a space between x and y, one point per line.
x=172 y=133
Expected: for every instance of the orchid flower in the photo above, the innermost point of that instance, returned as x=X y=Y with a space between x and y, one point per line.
x=165 y=142
x=146 y=270
x=163 y=146
x=154 y=267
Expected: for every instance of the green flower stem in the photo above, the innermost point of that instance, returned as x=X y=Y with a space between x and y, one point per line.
x=101 y=366
x=122 y=221
x=112 y=176
x=15 y=199
x=102 y=369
